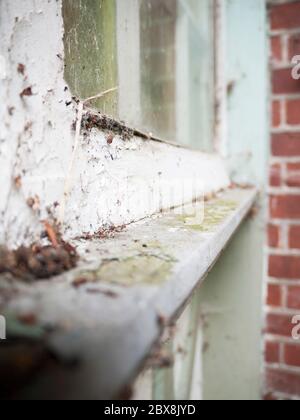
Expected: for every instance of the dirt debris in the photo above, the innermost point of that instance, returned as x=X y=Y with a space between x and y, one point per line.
x=110 y=232
x=162 y=320
x=160 y=359
x=26 y=92
x=79 y=282
x=103 y=122
x=110 y=139
x=107 y=293
x=28 y=126
x=52 y=234
x=33 y=203
x=38 y=262
x=21 y=69
x=92 y=119
x=105 y=233
x=11 y=110
x=18 y=181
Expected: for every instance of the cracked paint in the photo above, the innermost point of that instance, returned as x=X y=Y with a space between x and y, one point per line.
x=37 y=140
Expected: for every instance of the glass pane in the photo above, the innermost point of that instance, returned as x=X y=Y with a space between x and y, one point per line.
x=91 y=50
x=158 y=66
x=158 y=53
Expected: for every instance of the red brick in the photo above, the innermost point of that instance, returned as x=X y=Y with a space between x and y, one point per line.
x=293 y=180
x=285 y=206
x=292 y=355
x=294 y=237
x=276 y=115
x=293 y=112
x=294 y=46
x=285 y=16
x=286 y=144
x=272 y=352
x=284 y=83
x=275 y=175
x=284 y=266
x=293 y=175
x=279 y=324
x=274 y=295
x=293 y=299
x=273 y=236
x=276 y=48
x=282 y=381
x=293 y=166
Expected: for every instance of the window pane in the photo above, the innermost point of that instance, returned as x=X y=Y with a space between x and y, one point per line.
x=158 y=66
x=158 y=53
x=91 y=50
x=177 y=70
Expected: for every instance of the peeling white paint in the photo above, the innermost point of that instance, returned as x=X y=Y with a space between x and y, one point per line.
x=120 y=331
x=36 y=140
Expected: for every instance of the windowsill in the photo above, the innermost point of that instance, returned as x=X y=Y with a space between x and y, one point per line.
x=148 y=273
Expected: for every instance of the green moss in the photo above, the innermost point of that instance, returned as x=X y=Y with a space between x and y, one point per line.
x=139 y=269
x=151 y=265
x=214 y=214
x=142 y=269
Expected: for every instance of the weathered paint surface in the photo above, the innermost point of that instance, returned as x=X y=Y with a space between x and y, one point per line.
x=143 y=254
x=35 y=131
x=37 y=139
x=151 y=262
x=183 y=379
x=108 y=312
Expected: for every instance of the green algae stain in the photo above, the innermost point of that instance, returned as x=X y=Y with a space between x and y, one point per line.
x=152 y=265
x=143 y=269
x=214 y=214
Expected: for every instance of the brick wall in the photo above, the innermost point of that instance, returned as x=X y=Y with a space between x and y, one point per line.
x=282 y=353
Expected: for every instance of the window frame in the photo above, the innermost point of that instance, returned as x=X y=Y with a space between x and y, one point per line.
x=195 y=131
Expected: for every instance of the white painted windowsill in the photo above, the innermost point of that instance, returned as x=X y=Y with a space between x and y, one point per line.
x=135 y=281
